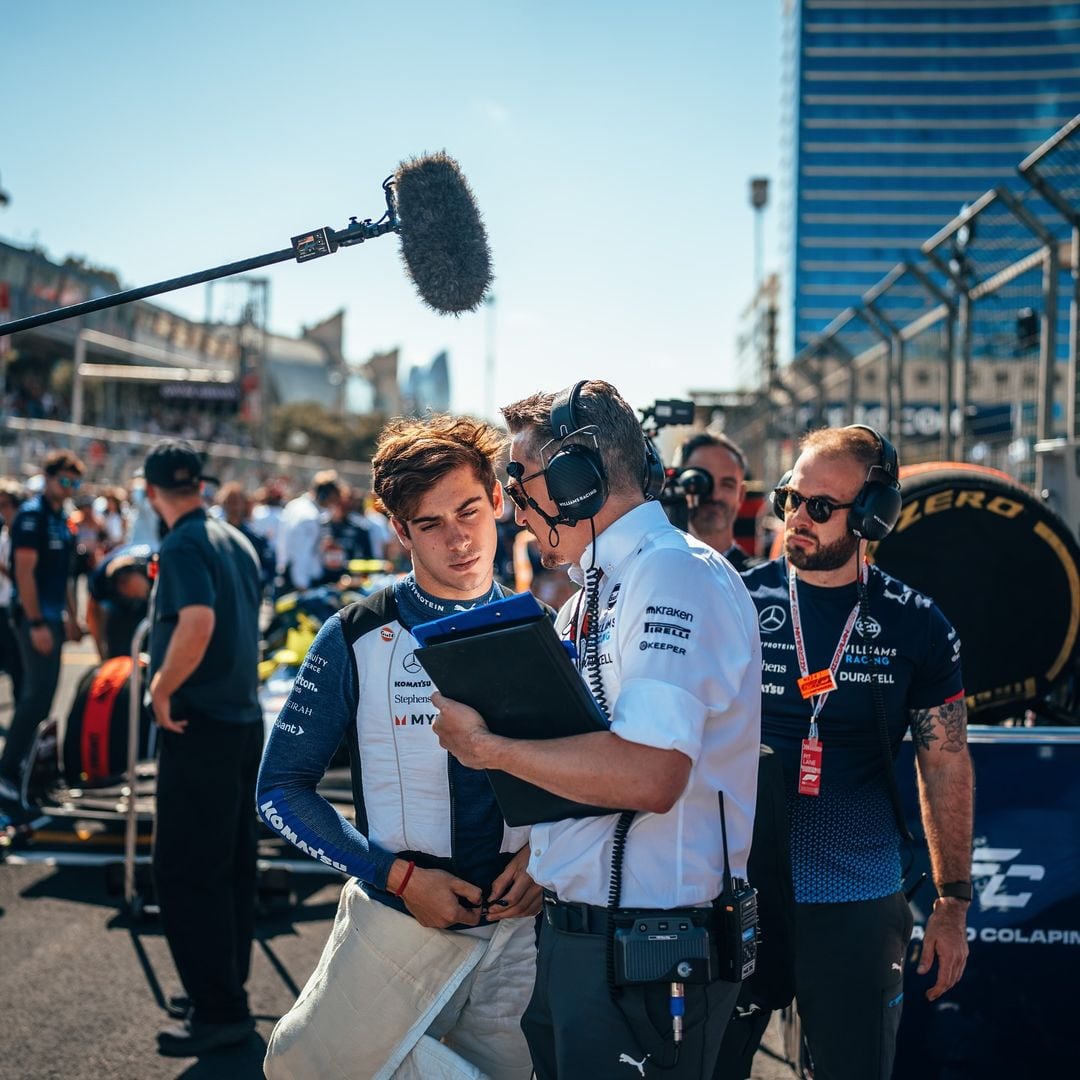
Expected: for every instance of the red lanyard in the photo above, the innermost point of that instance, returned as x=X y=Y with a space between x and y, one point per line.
x=818 y=685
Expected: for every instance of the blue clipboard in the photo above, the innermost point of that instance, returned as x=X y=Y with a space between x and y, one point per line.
x=505 y=660
x=509 y=611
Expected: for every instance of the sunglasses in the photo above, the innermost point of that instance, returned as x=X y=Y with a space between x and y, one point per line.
x=68 y=484
x=788 y=500
x=516 y=486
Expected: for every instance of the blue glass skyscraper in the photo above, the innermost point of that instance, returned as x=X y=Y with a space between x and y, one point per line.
x=900 y=113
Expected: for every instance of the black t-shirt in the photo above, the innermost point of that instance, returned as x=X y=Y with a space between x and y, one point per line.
x=44 y=530
x=207 y=562
x=844 y=840
x=740 y=560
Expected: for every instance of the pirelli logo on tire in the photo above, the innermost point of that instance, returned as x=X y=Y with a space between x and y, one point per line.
x=1004 y=568
x=954 y=499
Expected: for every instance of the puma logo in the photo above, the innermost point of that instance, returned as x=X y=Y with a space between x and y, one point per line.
x=896 y=967
x=626 y=1059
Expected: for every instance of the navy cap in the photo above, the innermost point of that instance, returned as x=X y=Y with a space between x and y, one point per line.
x=174 y=463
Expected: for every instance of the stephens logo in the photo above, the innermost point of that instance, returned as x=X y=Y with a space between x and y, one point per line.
x=386 y=634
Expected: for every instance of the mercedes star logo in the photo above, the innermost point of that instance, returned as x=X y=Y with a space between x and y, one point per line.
x=772 y=619
x=411 y=664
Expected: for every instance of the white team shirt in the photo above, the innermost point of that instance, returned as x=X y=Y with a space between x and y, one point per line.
x=680 y=662
x=298 y=541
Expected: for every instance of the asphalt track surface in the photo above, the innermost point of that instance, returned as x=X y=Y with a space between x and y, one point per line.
x=83 y=986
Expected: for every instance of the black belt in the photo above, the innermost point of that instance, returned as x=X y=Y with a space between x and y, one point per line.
x=590 y=919
x=574 y=918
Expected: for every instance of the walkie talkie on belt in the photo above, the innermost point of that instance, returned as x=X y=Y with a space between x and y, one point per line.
x=736 y=921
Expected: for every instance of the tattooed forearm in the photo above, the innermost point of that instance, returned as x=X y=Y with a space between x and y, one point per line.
x=953 y=717
x=922 y=728
x=946 y=724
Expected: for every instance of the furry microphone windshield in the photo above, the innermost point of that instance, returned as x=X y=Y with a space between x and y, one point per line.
x=443 y=242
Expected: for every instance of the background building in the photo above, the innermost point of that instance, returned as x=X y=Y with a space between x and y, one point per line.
x=900 y=112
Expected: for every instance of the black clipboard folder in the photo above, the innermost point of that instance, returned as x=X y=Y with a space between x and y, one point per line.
x=506 y=661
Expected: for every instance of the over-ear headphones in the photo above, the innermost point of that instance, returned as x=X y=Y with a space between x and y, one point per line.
x=576 y=478
x=877 y=506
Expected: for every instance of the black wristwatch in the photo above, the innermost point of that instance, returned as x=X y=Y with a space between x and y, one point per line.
x=957 y=890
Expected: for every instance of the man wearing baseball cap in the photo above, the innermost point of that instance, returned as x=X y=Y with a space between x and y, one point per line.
x=204 y=653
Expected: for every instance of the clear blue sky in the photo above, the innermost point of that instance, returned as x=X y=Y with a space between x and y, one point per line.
x=609 y=144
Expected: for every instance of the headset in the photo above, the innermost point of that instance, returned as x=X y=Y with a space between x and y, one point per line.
x=576 y=478
x=877 y=506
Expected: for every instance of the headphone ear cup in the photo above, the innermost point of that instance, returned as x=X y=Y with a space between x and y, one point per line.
x=576 y=483
x=653 y=478
x=876 y=510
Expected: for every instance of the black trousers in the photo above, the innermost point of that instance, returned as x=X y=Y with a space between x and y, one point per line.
x=10 y=660
x=849 y=990
x=849 y=984
x=204 y=860
x=575 y=1030
x=41 y=673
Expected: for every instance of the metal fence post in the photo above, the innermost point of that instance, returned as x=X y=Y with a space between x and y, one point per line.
x=948 y=383
x=1044 y=428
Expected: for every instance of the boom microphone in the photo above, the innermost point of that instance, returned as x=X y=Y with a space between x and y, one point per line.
x=443 y=242
x=428 y=202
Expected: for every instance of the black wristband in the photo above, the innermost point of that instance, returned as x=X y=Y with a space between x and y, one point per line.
x=957 y=890
x=35 y=623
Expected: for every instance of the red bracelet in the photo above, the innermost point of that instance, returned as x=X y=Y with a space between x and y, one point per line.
x=400 y=890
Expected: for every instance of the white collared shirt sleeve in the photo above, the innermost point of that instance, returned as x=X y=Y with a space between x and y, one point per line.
x=685 y=647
